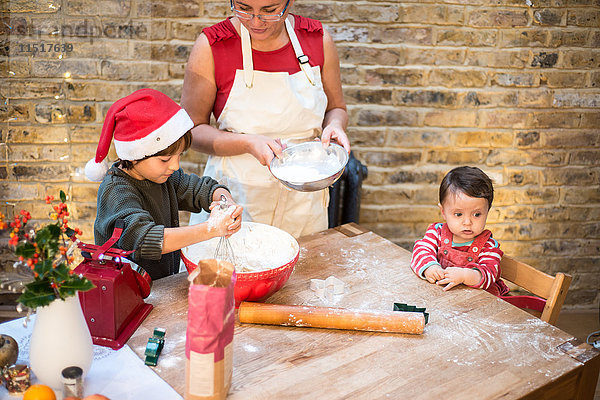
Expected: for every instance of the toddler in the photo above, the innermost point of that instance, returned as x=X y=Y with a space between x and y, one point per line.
x=146 y=188
x=461 y=250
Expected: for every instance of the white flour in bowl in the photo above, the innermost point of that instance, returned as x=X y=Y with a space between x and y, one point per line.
x=297 y=170
x=257 y=247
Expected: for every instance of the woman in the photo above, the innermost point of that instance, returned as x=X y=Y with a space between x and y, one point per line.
x=270 y=79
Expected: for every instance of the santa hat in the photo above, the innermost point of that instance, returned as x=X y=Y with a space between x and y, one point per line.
x=141 y=124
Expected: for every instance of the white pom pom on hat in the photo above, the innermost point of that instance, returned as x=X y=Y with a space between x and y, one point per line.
x=141 y=124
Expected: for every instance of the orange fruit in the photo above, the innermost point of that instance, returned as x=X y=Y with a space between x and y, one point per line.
x=96 y=397
x=39 y=392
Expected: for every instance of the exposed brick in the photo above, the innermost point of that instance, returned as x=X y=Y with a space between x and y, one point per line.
x=522 y=177
x=482 y=99
x=425 y=98
x=401 y=214
x=435 y=57
x=411 y=138
x=394 y=76
x=461 y=37
x=454 y=118
x=432 y=14
x=65 y=69
x=498 y=18
x=416 y=176
x=368 y=137
x=388 y=159
x=590 y=120
x=14 y=113
x=455 y=157
x=568 y=37
x=555 y=119
x=385 y=117
x=369 y=96
x=35 y=152
x=544 y=60
x=549 y=16
x=576 y=100
x=36 y=7
x=503 y=119
x=563 y=79
x=579 y=138
x=401 y=35
x=532 y=195
x=377 y=13
x=371 y=55
x=581 y=59
x=575 y=195
x=319 y=11
x=26 y=89
x=185 y=30
x=483 y=139
x=34 y=134
x=521 y=79
x=524 y=38
x=528 y=139
x=134 y=71
x=349 y=33
x=386 y=196
x=457 y=78
x=45 y=173
x=569 y=176
x=585 y=157
x=584 y=17
x=497 y=58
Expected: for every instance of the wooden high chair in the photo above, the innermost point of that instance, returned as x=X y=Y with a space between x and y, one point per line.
x=550 y=290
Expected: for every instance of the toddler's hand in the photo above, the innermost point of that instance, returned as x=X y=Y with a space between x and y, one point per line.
x=434 y=273
x=453 y=276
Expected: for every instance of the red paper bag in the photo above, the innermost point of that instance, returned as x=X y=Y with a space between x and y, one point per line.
x=209 y=336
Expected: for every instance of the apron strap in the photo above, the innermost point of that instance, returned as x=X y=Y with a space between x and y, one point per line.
x=300 y=56
x=247 y=56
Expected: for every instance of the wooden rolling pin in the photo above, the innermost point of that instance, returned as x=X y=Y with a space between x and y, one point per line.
x=332 y=318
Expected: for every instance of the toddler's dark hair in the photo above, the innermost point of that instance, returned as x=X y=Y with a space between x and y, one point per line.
x=469 y=180
x=186 y=140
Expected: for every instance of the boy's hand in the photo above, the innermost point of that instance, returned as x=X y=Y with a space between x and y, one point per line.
x=234 y=211
x=434 y=273
x=454 y=276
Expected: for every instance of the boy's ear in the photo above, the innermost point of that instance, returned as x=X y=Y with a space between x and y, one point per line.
x=442 y=211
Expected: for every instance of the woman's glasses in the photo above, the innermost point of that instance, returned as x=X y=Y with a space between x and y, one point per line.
x=263 y=17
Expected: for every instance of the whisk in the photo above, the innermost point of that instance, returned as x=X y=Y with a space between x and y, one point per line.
x=224 y=250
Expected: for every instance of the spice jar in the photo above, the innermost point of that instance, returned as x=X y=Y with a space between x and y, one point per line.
x=72 y=378
x=16 y=378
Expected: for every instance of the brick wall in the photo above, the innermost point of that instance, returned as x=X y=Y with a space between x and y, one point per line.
x=510 y=86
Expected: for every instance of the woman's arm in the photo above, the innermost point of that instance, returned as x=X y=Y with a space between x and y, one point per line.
x=198 y=98
x=336 y=117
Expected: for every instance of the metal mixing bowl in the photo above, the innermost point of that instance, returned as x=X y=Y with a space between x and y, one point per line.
x=329 y=163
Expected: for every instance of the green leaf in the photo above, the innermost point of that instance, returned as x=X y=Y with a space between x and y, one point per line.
x=63 y=197
x=25 y=249
x=34 y=300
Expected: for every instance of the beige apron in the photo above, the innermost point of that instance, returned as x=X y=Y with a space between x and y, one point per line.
x=277 y=105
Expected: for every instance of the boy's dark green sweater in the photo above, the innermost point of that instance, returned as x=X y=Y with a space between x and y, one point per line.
x=147 y=208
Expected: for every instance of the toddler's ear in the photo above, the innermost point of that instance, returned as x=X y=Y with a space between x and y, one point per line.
x=442 y=211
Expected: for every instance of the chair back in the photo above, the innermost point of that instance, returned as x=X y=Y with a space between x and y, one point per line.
x=553 y=289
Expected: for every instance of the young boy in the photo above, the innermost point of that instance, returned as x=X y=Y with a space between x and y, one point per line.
x=461 y=250
x=146 y=188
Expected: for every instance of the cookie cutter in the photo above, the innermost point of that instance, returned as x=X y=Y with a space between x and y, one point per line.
x=154 y=346
x=327 y=288
x=409 y=308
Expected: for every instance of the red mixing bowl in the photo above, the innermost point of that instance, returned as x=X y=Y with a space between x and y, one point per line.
x=256 y=286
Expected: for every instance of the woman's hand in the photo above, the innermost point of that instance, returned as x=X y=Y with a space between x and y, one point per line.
x=264 y=148
x=336 y=133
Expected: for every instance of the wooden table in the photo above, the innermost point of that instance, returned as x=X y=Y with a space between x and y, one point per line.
x=475 y=345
